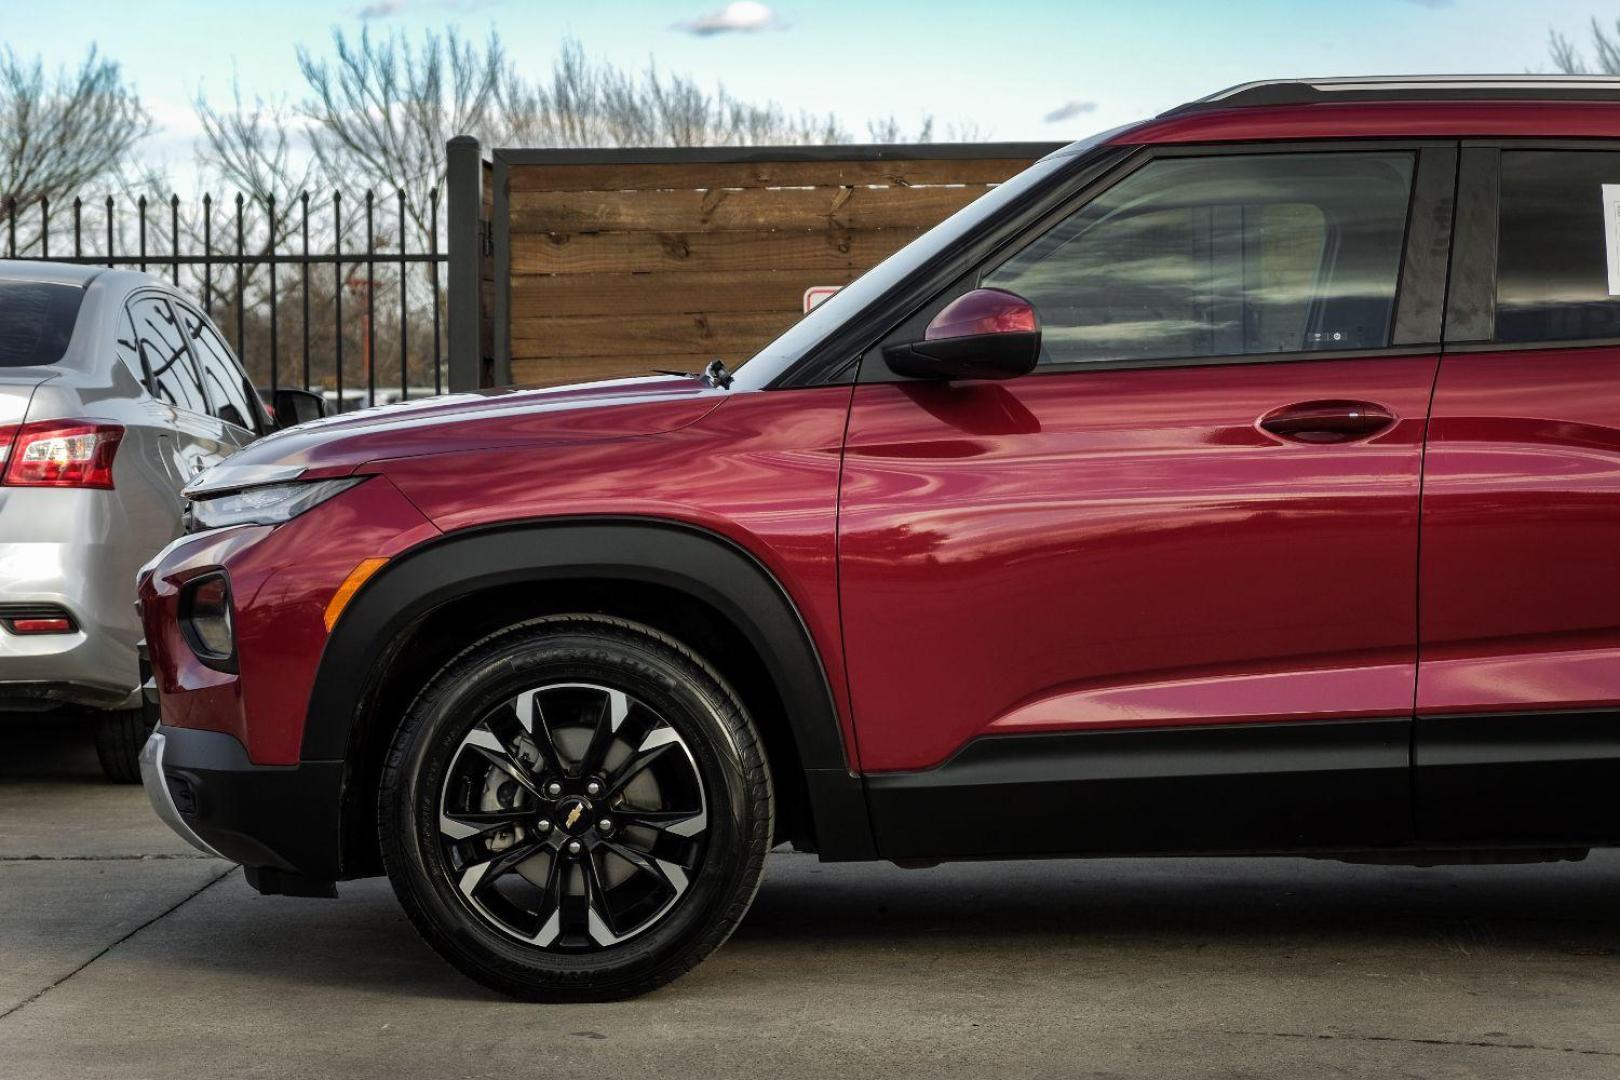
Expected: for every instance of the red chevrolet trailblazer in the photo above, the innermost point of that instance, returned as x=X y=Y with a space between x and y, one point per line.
x=1243 y=481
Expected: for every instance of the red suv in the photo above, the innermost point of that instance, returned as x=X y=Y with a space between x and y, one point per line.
x=1245 y=481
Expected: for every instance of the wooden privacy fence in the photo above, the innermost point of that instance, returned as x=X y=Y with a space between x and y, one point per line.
x=595 y=263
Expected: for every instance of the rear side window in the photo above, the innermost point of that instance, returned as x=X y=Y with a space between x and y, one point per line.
x=1223 y=256
x=1552 y=262
x=228 y=389
x=160 y=349
x=36 y=321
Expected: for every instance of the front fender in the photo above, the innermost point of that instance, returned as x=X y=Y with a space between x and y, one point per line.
x=684 y=558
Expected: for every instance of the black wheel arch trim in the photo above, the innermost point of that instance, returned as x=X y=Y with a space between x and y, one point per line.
x=698 y=562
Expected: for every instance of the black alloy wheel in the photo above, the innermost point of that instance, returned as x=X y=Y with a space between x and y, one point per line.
x=576 y=808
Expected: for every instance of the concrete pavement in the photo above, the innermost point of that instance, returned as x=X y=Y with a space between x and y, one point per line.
x=123 y=956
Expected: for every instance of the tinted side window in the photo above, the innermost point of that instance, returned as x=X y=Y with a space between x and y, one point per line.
x=161 y=348
x=1552 y=271
x=228 y=388
x=1223 y=256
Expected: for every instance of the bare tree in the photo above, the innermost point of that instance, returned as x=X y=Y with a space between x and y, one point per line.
x=261 y=150
x=60 y=133
x=1605 y=46
x=381 y=110
x=587 y=102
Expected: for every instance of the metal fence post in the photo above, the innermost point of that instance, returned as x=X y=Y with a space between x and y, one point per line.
x=465 y=181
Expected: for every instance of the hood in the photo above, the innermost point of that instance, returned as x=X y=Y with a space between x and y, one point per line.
x=490 y=419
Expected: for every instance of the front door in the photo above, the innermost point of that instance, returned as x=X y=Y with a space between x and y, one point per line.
x=1160 y=595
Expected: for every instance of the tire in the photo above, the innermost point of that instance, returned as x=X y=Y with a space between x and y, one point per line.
x=641 y=866
x=120 y=735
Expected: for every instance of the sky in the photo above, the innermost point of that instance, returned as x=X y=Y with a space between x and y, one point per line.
x=1013 y=69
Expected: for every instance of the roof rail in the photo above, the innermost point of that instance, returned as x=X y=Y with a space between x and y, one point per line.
x=1409 y=88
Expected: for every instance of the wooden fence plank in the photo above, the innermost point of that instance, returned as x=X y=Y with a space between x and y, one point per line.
x=737 y=209
x=539 y=295
x=721 y=333
x=626 y=177
x=832 y=249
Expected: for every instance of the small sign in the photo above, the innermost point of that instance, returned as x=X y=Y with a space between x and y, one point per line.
x=815 y=294
x=1611 y=234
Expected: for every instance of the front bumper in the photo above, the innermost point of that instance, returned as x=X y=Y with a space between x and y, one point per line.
x=157 y=790
x=279 y=821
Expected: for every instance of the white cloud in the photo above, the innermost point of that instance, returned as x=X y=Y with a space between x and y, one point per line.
x=740 y=16
x=381 y=9
x=1069 y=110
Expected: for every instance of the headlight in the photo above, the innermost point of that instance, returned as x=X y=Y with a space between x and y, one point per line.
x=266 y=504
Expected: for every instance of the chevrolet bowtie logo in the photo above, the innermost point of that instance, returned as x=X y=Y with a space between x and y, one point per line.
x=573 y=816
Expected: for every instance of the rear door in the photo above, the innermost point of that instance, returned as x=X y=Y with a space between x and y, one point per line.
x=1161 y=593
x=1518 y=733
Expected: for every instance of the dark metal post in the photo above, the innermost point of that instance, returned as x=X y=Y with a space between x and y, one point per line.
x=44 y=227
x=465 y=176
x=404 y=309
x=208 y=254
x=371 y=298
x=110 y=253
x=337 y=293
x=303 y=268
x=275 y=355
x=241 y=303
x=174 y=237
x=78 y=224
x=433 y=271
x=140 y=205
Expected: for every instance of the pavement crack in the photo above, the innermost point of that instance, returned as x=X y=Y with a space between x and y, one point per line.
x=106 y=858
x=1412 y=1040
x=165 y=913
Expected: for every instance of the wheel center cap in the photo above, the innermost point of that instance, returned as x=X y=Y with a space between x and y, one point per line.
x=574 y=815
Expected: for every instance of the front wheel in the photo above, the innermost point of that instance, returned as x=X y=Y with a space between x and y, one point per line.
x=576 y=808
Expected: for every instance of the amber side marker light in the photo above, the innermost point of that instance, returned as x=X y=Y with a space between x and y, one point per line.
x=351 y=585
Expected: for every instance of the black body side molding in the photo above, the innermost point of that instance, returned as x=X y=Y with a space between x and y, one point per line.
x=700 y=564
x=1298 y=786
x=1519 y=778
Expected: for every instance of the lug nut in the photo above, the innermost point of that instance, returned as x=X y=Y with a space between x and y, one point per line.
x=543 y=825
x=554 y=789
x=604 y=826
x=593 y=788
x=573 y=847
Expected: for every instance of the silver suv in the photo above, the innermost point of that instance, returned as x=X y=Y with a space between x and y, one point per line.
x=115 y=390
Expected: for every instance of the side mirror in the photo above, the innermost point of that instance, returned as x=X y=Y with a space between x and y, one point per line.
x=292 y=407
x=984 y=334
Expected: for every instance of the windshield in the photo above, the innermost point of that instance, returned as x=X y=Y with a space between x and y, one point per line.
x=36 y=321
x=780 y=354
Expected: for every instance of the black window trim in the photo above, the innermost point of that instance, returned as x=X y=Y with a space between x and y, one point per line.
x=1421 y=284
x=1471 y=306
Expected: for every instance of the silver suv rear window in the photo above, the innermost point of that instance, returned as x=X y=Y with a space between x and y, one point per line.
x=36 y=321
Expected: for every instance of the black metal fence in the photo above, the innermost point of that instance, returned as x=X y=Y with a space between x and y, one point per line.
x=316 y=294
